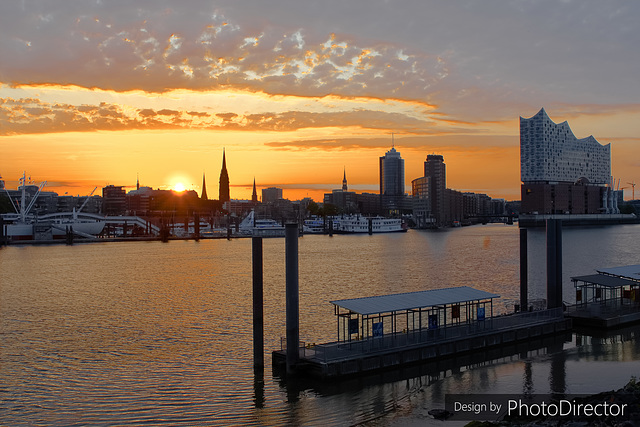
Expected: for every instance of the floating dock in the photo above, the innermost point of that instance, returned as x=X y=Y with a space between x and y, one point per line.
x=391 y=331
x=608 y=299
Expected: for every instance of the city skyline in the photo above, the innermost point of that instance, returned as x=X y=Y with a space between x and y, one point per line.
x=95 y=94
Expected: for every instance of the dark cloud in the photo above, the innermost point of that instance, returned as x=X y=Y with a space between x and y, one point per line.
x=472 y=60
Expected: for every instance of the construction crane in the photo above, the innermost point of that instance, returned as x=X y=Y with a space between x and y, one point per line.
x=633 y=189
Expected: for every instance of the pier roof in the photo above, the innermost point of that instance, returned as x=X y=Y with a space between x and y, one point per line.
x=629 y=271
x=413 y=300
x=604 y=280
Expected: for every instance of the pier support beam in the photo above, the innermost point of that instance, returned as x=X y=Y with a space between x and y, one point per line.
x=524 y=270
x=554 y=263
x=292 y=298
x=258 y=303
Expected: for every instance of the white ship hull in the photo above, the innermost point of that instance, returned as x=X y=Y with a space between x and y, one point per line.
x=361 y=224
x=55 y=226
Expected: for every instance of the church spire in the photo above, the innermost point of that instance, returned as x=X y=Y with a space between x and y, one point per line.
x=204 y=189
x=224 y=180
x=344 y=180
x=254 y=196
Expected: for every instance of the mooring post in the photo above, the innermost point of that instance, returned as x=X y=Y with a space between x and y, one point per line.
x=1 y=231
x=524 y=270
x=293 y=321
x=554 y=263
x=258 y=303
x=559 y=298
x=196 y=226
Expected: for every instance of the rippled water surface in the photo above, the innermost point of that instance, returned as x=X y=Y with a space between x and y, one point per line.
x=151 y=333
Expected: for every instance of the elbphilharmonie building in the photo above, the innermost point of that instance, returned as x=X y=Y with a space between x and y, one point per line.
x=560 y=173
x=550 y=152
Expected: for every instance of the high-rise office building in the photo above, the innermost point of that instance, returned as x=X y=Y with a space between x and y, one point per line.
x=561 y=173
x=392 y=181
x=435 y=170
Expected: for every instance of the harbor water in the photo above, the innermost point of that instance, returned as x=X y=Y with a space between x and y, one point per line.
x=131 y=333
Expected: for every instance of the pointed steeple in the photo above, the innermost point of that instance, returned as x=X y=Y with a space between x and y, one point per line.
x=137 y=181
x=224 y=180
x=344 y=180
x=204 y=189
x=254 y=196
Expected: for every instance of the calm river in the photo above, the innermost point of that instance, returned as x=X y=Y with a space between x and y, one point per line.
x=160 y=333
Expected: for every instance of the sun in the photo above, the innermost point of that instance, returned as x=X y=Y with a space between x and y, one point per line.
x=179 y=187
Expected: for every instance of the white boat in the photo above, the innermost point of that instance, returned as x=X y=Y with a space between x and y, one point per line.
x=251 y=226
x=314 y=226
x=361 y=224
x=23 y=225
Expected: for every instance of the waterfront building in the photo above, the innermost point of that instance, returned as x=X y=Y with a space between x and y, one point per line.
x=351 y=202
x=114 y=201
x=392 y=182
x=342 y=198
x=435 y=205
x=436 y=170
x=271 y=194
x=421 y=202
x=138 y=200
x=561 y=173
x=224 y=195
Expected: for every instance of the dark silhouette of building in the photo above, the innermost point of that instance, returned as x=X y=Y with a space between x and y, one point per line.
x=203 y=196
x=271 y=194
x=348 y=202
x=114 y=201
x=224 y=181
x=254 y=195
x=344 y=180
x=436 y=172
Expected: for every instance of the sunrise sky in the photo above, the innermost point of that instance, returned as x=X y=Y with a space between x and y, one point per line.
x=98 y=92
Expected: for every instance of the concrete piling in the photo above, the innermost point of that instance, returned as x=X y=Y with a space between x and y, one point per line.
x=524 y=270
x=258 y=303
x=554 y=263
x=292 y=297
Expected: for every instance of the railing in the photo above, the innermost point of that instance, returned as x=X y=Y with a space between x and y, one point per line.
x=303 y=349
x=605 y=307
x=346 y=350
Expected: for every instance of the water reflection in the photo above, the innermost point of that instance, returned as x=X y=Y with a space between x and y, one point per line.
x=130 y=333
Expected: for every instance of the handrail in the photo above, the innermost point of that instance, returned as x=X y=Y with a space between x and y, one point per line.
x=371 y=345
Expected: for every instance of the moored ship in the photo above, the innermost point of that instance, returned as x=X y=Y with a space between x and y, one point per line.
x=23 y=225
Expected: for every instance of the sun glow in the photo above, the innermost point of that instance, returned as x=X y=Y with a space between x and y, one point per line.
x=179 y=187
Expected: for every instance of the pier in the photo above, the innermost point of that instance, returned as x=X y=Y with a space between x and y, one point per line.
x=392 y=331
x=607 y=299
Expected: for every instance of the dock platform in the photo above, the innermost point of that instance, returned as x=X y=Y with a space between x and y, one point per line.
x=608 y=299
x=375 y=353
